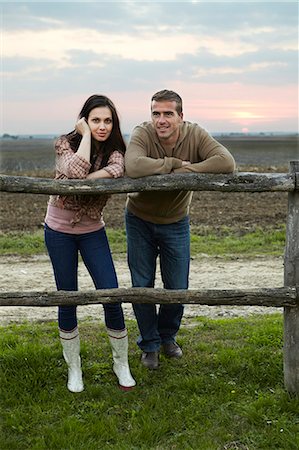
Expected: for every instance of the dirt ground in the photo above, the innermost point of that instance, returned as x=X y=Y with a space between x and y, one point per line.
x=35 y=274
x=245 y=211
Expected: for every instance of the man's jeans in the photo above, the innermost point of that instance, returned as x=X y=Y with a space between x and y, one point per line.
x=94 y=248
x=145 y=241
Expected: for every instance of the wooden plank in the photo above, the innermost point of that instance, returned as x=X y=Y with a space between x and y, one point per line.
x=277 y=297
x=236 y=182
x=291 y=278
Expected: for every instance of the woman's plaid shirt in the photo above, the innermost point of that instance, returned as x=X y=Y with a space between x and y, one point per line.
x=70 y=165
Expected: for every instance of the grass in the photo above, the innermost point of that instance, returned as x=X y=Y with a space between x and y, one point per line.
x=266 y=242
x=225 y=242
x=225 y=393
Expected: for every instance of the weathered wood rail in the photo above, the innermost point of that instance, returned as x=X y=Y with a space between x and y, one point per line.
x=237 y=182
x=279 y=297
x=286 y=297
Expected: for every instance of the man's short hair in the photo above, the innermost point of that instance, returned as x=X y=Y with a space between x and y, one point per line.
x=169 y=96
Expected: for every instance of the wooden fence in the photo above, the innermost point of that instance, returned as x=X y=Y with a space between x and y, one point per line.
x=286 y=296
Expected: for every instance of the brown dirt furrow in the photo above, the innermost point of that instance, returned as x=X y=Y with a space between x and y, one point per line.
x=25 y=212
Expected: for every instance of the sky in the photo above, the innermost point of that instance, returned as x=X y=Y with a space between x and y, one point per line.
x=235 y=64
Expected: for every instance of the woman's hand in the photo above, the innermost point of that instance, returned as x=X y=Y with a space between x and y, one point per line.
x=82 y=127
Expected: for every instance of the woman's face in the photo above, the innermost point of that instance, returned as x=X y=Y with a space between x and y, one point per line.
x=100 y=123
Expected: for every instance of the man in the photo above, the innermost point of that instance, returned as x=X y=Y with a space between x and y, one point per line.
x=157 y=223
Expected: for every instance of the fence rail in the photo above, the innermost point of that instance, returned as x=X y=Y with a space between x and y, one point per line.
x=278 y=297
x=237 y=182
x=286 y=297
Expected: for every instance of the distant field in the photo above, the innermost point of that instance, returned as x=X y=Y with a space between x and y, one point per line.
x=263 y=151
x=18 y=155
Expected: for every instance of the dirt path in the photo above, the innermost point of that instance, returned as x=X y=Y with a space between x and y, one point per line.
x=35 y=274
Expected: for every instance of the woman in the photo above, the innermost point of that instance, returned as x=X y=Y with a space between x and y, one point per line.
x=74 y=224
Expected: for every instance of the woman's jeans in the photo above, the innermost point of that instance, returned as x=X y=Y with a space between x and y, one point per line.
x=63 y=249
x=145 y=241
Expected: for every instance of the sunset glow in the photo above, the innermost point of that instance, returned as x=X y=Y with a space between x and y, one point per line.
x=246 y=115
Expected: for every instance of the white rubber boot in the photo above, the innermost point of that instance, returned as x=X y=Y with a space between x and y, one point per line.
x=119 y=344
x=71 y=352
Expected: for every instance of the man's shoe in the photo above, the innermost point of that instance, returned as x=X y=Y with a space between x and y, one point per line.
x=150 y=360
x=172 y=350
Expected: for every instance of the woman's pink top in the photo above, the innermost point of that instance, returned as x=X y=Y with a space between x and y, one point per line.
x=61 y=220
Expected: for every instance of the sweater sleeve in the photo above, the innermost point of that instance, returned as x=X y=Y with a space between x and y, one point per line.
x=68 y=163
x=211 y=156
x=116 y=165
x=139 y=164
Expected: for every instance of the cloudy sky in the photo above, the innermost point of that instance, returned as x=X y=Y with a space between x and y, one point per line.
x=235 y=64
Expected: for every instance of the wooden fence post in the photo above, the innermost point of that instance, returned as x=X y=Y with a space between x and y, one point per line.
x=291 y=278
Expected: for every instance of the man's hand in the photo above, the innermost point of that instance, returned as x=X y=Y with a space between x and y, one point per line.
x=186 y=163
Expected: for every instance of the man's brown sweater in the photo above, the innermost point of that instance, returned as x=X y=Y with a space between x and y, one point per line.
x=145 y=156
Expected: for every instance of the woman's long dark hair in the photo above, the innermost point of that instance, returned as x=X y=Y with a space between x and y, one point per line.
x=115 y=140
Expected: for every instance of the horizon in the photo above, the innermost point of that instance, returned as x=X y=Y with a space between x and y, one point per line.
x=215 y=133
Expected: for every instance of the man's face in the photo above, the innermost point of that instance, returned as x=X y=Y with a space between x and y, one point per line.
x=166 y=119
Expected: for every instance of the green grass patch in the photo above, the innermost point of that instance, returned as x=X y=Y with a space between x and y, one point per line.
x=224 y=242
x=22 y=243
x=229 y=242
x=225 y=393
